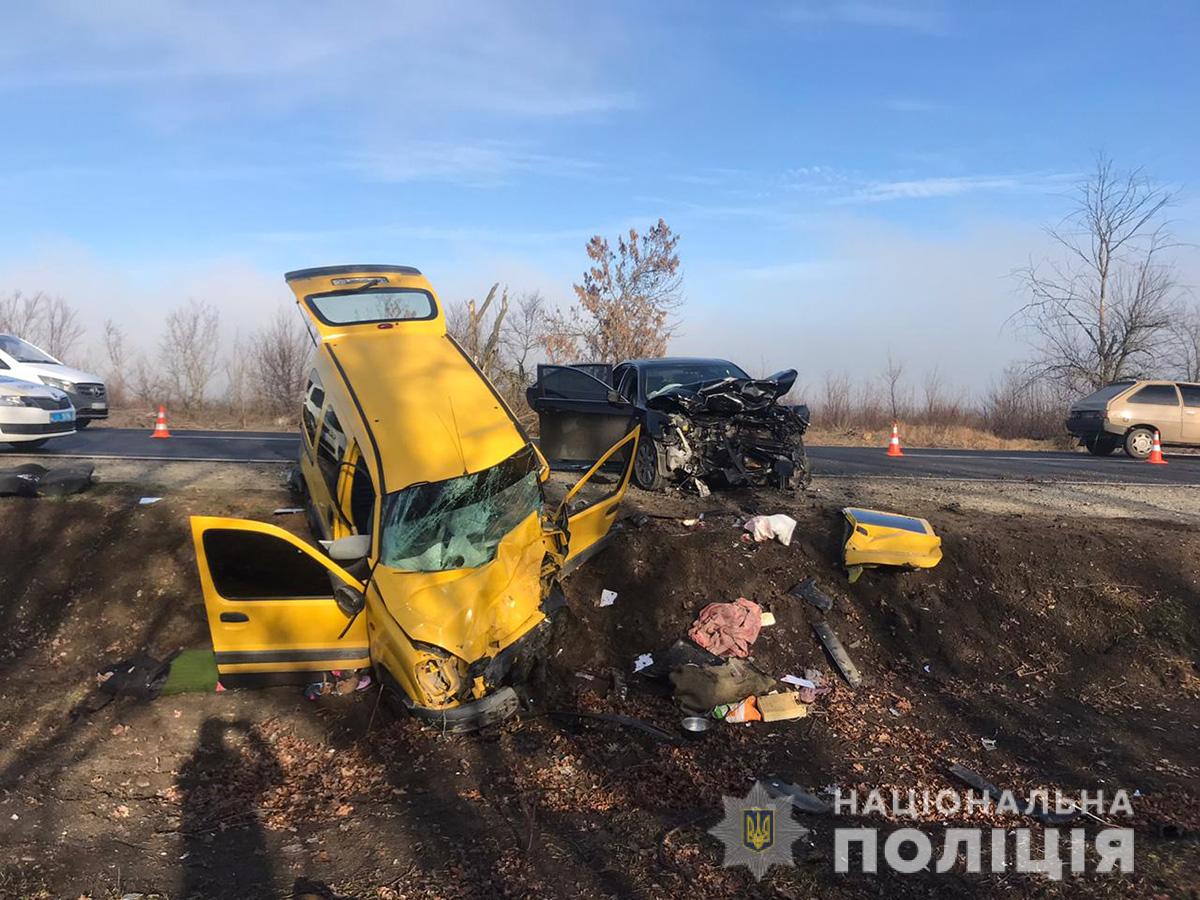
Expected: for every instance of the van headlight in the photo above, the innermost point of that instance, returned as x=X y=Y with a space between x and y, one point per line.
x=439 y=677
x=58 y=383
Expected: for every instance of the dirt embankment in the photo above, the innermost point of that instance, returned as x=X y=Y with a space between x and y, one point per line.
x=1070 y=640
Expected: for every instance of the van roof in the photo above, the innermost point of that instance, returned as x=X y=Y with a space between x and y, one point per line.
x=432 y=414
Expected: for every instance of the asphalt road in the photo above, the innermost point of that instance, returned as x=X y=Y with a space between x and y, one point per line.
x=972 y=465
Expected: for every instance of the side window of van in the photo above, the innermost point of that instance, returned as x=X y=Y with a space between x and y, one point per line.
x=330 y=450
x=314 y=399
x=362 y=498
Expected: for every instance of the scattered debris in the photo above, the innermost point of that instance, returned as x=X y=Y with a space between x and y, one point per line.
x=808 y=590
x=743 y=711
x=627 y=721
x=801 y=799
x=781 y=706
x=148 y=501
x=840 y=657
x=607 y=597
x=644 y=661
x=764 y=528
x=32 y=480
x=767 y=619
x=698 y=689
x=988 y=743
x=287 y=510
x=694 y=726
x=728 y=629
x=141 y=677
x=812 y=685
x=681 y=653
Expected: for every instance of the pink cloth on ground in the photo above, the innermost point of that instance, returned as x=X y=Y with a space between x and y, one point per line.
x=728 y=629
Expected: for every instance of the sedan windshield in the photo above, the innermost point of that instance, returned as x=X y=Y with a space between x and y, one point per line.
x=458 y=523
x=24 y=352
x=660 y=378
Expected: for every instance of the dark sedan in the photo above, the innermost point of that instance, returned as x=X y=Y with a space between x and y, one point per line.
x=703 y=420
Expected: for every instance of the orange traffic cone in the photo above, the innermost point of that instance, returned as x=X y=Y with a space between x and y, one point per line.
x=160 y=424
x=894 y=443
x=1156 y=456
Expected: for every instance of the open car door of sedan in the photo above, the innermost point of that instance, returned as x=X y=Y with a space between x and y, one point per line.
x=270 y=600
x=580 y=417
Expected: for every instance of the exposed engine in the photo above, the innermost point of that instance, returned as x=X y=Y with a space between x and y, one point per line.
x=735 y=429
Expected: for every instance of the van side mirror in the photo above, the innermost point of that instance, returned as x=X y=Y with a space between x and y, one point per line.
x=615 y=397
x=349 y=600
x=350 y=549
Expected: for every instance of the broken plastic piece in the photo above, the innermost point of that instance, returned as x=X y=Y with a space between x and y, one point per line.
x=766 y=620
x=840 y=657
x=742 y=711
x=808 y=590
x=148 y=501
x=607 y=597
x=644 y=661
x=876 y=538
x=801 y=799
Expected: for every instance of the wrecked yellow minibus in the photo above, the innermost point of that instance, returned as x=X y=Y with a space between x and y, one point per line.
x=443 y=553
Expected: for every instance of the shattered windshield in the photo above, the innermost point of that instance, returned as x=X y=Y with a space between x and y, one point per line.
x=24 y=352
x=661 y=378
x=458 y=523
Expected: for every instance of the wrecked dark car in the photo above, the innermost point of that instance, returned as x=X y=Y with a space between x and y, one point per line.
x=704 y=421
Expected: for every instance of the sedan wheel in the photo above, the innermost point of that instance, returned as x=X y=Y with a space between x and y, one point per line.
x=646 y=472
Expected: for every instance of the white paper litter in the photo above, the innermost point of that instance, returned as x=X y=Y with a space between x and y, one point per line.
x=607 y=597
x=988 y=743
x=287 y=510
x=643 y=662
x=778 y=526
x=147 y=501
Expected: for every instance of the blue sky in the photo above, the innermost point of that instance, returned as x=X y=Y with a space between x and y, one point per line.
x=848 y=178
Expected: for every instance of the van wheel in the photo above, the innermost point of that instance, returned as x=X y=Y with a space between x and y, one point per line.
x=1101 y=445
x=1138 y=442
x=647 y=473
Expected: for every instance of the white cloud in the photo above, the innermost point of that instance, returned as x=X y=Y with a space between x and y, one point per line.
x=926 y=188
x=920 y=16
x=377 y=57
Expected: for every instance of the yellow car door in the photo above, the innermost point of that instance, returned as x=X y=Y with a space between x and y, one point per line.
x=271 y=602
x=590 y=507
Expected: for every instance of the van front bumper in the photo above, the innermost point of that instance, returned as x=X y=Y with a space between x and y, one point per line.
x=473 y=715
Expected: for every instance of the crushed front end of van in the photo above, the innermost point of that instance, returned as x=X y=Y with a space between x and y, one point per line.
x=444 y=555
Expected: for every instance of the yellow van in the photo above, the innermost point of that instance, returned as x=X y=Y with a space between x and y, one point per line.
x=442 y=552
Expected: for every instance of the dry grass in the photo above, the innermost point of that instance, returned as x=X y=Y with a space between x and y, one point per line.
x=955 y=437
x=209 y=419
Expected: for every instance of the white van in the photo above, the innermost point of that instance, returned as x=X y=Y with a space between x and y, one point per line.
x=21 y=359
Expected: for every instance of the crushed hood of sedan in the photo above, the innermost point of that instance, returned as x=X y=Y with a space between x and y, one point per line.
x=735 y=428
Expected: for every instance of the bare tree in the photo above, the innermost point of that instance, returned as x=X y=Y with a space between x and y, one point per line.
x=626 y=304
x=116 y=363
x=240 y=379
x=21 y=314
x=891 y=377
x=188 y=352
x=523 y=335
x=60 y=328
x=1101 y=313
x=478 y=329
x=1186 y=339
x=279 y=354
x=836 y=400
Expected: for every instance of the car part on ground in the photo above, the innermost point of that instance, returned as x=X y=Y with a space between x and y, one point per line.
x=838 y=654
x=875 y=538
x=32 y=480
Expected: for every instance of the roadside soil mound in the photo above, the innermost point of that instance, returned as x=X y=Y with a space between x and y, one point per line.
x=1072 y=643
